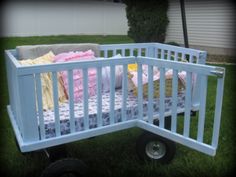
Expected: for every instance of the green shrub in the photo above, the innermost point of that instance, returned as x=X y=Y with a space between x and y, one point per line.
x=147 y=20
x=172 y=43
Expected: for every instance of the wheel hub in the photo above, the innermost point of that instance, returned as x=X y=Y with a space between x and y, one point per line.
x=155 y=149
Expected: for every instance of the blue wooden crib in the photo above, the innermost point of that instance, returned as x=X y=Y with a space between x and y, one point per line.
x=30 y=125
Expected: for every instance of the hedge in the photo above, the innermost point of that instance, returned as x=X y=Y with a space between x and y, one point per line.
x=147 y=20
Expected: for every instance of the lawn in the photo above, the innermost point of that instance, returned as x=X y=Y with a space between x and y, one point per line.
x=113 y=155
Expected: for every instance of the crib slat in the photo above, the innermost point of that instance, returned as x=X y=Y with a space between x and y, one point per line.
x=123 y=52
x=105 y=53
x=112 y=93
x=201 y=119
x=162 y=97
x=182 y=56
x=99 y=96
x=168 y=55
x=155 y=53
x=187 y=104
x=174 y=101
x=131 y=52
x=71 y=100
x=140 y=92
x=176 y=56
x=162 y=54
x=191 y=58
x=124 y=92
x=139 y=51
x=85 y=98
x=56 y=106
x=150 y=93
x=217 y=115
x=146 y=52
x=40 y=105
x=28 y=108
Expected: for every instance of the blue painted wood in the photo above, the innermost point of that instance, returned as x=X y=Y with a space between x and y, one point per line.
x=188 y=67
x=177 y=49
x=146 y=52
x=168 y=55
x=131 y=52
x=202 y=110
x=176 y=56
x=150 y=94
x=56 y=105
x=99 y=96
x=218 y=109
x=191 y=59
x=139 y=52
x=16 y=94
x=112 y=93
x=99 y=62
x=205 y=148
x=123 y=52
x=155 y=53
x=174 y=101
x=71 y=100
x=124 y=91
x=162 y=97
x=162 y=54
x=146 y=49
x=85 y=98
x=201 y=59
x=105 y=53
x=28 y=108
x=140 y=92
x=182 y=56
x=15 y=125
x=40 y=105
x=11 y=84
x=188 y=98
x=77 y=136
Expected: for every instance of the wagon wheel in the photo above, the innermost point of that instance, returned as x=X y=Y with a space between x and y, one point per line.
x=56 y=152
x=66 y=168
x=154 y=148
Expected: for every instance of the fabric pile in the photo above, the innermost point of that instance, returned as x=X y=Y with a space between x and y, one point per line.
x=77 y=75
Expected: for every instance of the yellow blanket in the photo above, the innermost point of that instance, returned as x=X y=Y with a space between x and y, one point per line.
x=46 y=80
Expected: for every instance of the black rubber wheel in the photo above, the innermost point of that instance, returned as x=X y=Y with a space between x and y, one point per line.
x=57 y=152
x=66 y=167
x=151 y=147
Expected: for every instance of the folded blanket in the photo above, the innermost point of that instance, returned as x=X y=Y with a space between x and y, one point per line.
x=78 y=73
x=133 y=81
x=46 y=80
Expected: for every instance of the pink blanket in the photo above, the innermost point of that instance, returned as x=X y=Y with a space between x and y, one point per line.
x=78 y=73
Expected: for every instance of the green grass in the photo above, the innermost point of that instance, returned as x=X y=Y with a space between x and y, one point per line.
x=114 y=154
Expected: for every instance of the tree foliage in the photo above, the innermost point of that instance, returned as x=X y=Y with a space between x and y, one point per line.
x=147 y=20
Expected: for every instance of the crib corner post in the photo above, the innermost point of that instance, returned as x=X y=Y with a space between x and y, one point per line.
x=27 y=105
x=151 y=51
x=201 y=59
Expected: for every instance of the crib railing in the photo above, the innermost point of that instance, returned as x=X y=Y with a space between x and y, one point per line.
x=184 y=137
x=161 y=51
x=25 y=90
x=155 y=50
x=30 y=89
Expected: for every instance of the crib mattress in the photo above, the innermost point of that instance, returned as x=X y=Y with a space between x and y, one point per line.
x=131 y=112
